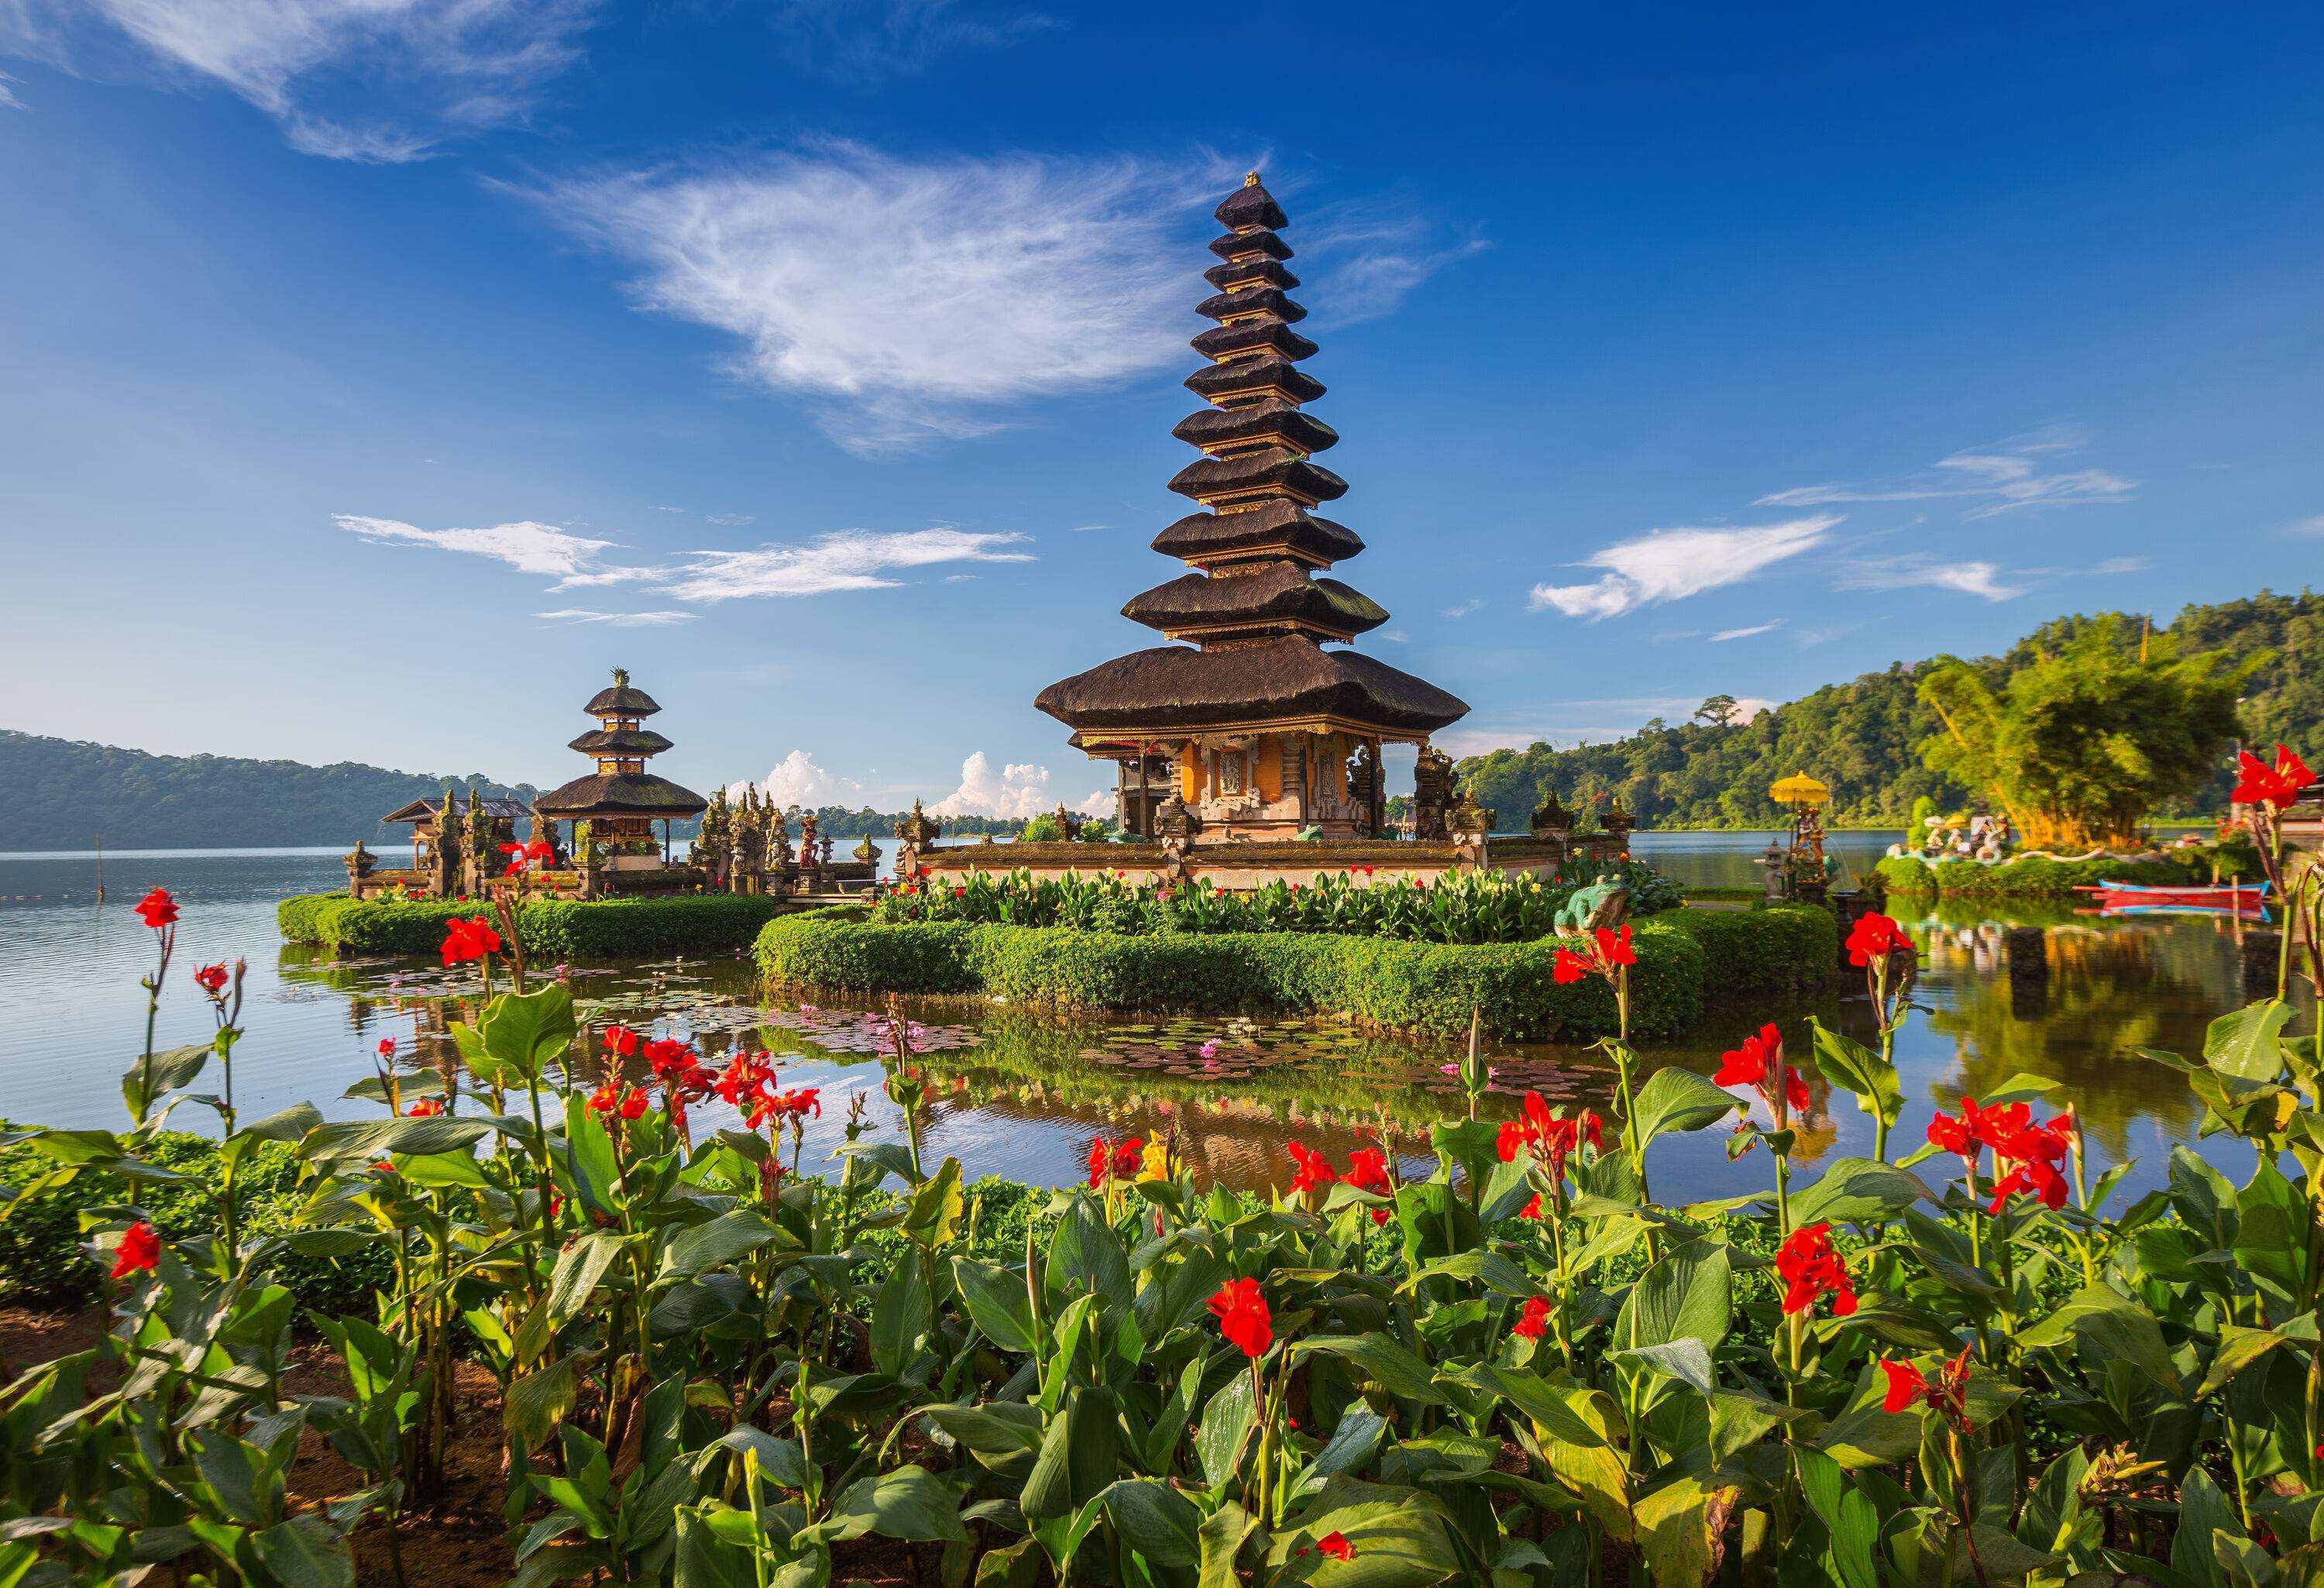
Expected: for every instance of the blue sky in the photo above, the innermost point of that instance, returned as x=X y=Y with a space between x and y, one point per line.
x=377 y=373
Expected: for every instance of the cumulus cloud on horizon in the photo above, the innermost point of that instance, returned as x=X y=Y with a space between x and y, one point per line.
x=1018 y=789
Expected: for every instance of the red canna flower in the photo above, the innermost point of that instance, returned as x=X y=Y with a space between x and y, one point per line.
x=387 y=1048
x=1874 y=937
x=1313 y=1170
x=2276 y=786
x=385 y=1166
x=539 y=849
x=158 y=909
x=1947 y=1394
x=1335 y=1546
x=1906 y=1384
x=211 y=978
x=1535 y=1319
x=1533 y=1210
x=140 y=1249
x=470 y=939
x=1956 y=1136
x=1754 y=1065
x=426 y=1108
x=613 y=1098
x=1128 y=1156
x=1368 y=1171
x=1569 y=967
x=1811 y=1269
x=1243 y=1317
x=621 y=1041
x=1100 y=1160
x=1614 y=948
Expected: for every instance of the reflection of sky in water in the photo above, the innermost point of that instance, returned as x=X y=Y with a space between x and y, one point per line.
x=1027 y=1097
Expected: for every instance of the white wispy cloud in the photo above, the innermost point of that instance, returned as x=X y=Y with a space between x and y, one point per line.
x=1085 y=528
x=1372 y=253
x=525 y=545
x=847 y=560
x=620 y=620
x=920 y=300
x=7 y=95
x=2124 y=565
x=913 y=298
x=850 y=560
x=1994 y=480
x=1746 y=634
x=427 y=69
x=1921 y=568
x=1669 y=565
x=732 y=520
x=865 y=40
x=1464 y=609
x=1397 y=635
x=2309 y=526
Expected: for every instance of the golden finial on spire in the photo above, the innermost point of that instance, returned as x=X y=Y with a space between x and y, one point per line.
x=1251 y=179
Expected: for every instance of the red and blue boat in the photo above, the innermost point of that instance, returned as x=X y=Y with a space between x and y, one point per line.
x=2235 y=900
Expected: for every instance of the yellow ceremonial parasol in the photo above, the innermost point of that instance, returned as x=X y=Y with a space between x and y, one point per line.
x=1799 y=789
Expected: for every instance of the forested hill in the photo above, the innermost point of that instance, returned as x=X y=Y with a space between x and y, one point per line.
x=65 y=794
x=1864 y=737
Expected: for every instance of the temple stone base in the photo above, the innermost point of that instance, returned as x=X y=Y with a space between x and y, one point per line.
x=1237 y=867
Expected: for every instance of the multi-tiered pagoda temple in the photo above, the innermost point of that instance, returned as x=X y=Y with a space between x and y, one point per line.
x=621 y=800
x=1258 y=725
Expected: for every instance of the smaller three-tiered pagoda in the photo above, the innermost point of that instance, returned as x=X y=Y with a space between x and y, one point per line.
x=1260 y=725
x=621 y=801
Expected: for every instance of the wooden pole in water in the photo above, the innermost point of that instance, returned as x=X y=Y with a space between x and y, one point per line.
x=100 y=868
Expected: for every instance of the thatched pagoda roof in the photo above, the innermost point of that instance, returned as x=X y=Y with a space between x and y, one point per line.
x=1214 y=381
x=620 y=700
x=1227 y=272
x=621 y=794
x=1269 y=420
x=1270 y=594
x=1250 y=204
x=1249 y=473
x=1201 y=536
x=1236 y=244
x=1290 y=679
x=620 y=741
x=500 y=808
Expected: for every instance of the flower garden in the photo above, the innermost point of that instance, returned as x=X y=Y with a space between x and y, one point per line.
x=691 y=1358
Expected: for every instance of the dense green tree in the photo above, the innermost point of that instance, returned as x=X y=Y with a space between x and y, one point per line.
x=2091 y=734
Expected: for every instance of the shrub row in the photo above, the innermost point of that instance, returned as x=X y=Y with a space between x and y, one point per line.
x=1425 y=986
x=42 y=1262
x=551 y=929
x=2037 y=877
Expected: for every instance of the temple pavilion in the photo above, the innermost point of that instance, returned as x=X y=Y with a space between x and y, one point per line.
x=1255 y=722
x=621 y=801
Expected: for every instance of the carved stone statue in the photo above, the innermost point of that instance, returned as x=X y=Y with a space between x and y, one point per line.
x=1602 y=903
x=359 y=862
x=915 y=834
x=1431 y=794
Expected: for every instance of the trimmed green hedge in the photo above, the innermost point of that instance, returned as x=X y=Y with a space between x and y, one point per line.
x=1777 y=952
x=2035 y=876
x=1425 y=986
x=550 y=928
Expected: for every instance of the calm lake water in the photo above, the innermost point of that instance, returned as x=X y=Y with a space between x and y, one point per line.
x=1023 y=1095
